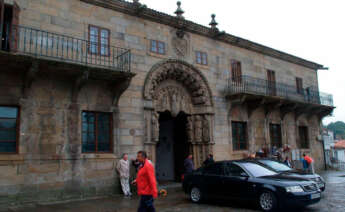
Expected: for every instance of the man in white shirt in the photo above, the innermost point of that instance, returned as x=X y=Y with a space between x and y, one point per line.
x=123 y=170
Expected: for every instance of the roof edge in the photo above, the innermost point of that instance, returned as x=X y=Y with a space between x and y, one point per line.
x=189 y=26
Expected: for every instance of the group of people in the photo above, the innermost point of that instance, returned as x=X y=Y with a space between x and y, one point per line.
x=189 y=165
x=145 y=181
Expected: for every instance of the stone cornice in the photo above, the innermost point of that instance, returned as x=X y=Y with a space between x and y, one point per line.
x=162 y=18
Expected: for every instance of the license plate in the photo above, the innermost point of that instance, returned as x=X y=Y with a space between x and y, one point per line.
x=315 y=196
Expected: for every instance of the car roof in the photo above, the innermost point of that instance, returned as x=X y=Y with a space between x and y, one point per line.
x=236 y=161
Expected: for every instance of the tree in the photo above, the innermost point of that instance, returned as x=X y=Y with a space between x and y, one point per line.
x=338 y=128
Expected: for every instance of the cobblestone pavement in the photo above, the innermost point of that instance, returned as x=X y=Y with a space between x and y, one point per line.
x=333 y=201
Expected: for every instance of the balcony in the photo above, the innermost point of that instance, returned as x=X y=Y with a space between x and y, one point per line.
x=257 y=91
x=46 y=45
x=32 y=51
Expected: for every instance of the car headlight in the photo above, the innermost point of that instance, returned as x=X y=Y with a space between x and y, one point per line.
x=294 y=189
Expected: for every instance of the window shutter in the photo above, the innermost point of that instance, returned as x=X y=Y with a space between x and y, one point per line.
x=14 y=28
x=2 y=11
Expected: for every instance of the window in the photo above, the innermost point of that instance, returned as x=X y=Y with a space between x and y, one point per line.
x=299 y=85
x=236 y=71
x=99 y=39
x=303 y=137
x=157 y=47
x=275 y=165
x=276 y=135
x=239 y=135
x=214 y=169
x=96 y=132
x=234 y=170
x=9 y=122
x=257 y=170
x=271 y=77
x=9 y=20
x=201 y=58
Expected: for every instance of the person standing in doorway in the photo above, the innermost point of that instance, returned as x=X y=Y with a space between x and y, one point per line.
x=209 y=160
x=123 y=169
x=188 y=164
x=146 y=184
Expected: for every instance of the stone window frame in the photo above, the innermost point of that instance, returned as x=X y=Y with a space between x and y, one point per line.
x=111 y=136
x=236 y=71
x=236 y=143
x=17 y=130
x=299 y=85
x=201 y=58
x=278 y=135
x=303 y=144
x=157 y=47
x=99 y=42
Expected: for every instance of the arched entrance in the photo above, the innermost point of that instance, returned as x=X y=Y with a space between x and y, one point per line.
x=178 y=116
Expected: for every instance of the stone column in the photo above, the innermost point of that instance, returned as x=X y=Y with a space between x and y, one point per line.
x=151 y=124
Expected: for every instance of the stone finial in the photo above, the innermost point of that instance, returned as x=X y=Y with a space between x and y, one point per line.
x=179 y=12
x=213 y=23
x=136 y=2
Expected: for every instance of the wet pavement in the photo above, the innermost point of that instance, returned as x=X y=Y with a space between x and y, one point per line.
x=333 y=200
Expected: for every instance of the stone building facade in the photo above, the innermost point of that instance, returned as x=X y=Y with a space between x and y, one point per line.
x=83 y=81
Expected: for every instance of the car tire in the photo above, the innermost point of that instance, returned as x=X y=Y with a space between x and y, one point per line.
x=268 y=201
x=195 y=194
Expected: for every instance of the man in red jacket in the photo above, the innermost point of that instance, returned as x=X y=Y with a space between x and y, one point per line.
x=146 y=183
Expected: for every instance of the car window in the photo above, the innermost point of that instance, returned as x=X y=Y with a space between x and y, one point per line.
x=258 y=170
x=234 y=170
x=214 y=169
x=277 y=166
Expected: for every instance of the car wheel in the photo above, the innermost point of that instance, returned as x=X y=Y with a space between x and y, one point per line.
x=268 y=201
x=195 y=195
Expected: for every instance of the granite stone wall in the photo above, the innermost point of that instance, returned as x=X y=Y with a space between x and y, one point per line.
x=50 y=165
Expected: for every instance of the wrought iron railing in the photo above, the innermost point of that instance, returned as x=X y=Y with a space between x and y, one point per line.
x=252 y=85
x=43 y=44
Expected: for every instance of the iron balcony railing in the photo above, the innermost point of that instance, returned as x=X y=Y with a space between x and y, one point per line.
x=43 y=44
x=251 y=85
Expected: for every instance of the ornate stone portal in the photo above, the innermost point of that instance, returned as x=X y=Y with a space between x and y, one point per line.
x=177 y=86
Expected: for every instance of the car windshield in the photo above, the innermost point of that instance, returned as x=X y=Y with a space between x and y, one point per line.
x=257 y=170
x=279 y=167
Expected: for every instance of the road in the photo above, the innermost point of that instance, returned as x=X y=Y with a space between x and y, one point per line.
x=332 y=201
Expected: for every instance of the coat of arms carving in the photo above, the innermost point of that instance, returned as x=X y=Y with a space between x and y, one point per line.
x=180 y=46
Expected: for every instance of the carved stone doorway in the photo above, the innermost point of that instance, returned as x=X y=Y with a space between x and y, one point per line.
x=178 y=87
x=172 y=147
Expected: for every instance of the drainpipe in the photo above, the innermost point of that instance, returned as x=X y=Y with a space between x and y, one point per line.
x=324 y=153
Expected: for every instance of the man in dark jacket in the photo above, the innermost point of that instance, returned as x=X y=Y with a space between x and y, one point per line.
x=209 y=160
x=188 y=164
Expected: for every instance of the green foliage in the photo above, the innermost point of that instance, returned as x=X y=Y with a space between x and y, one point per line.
x=338 y=128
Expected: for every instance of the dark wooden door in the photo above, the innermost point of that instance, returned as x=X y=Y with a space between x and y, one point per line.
x=271 y=78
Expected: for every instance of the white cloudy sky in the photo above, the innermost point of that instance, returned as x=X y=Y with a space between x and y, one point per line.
x=311 y=29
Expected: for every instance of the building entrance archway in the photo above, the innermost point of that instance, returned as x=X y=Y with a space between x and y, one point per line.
x=179 y=88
